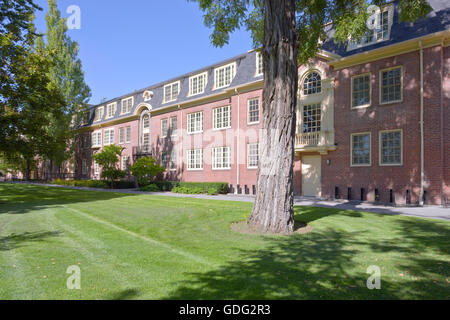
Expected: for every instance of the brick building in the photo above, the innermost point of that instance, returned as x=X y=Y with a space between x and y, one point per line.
x=373 y=118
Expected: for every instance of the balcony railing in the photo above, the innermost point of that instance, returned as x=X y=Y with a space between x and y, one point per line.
x=315 y=140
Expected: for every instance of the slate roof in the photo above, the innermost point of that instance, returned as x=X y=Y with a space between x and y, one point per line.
x=437 y=20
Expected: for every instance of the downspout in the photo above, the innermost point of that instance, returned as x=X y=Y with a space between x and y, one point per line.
x=422 y=140
x=443 y=200
x=181 y=135
x=238 y=140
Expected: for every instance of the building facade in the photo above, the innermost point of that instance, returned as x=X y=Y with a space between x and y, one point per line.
x=373 y=118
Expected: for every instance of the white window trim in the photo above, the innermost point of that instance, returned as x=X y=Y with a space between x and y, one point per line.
x=188 y=123
x=188 y=159
x=170 y=126
x=102 y=113
x=101 y=139
x=367 y=105
x=132 y=103
x=258 y=56
x=214 y=122
x=390 y=9
x=109 y=140
x=96 y=168
x=302 y=84
x=124 y=133
x=162 y=120
x=248 y=111
x=213 y=159
x=84 y=169
x=204 y=74
x=380 y=156
x=248 y=156
x=170 y=85
x=370 y=149
x=232 y=75
x=380 y=91
x=114 y=104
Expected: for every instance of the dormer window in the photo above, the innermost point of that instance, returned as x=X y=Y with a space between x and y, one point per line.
x=259 y=64
x=312 y=84
x=376 y=34
x=171 y=91
x=223 y=76
x=197 y=84
x=99 y=114
x=148 y=95
x=127 y=104
x=111 y=110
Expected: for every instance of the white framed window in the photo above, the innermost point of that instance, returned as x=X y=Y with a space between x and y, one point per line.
x=84 y=167
x=146 y=122
x=108 y=137
x=127 y=104
x=195 y=122
x=222 y=117
x=99 y=113
x=111 y=110
x=174 y=126
x=197 y=83
x=85 y=117
x=312 y=118
x=96 y=168
x=391 y=85
x=376 y=34
x=96 y=139
x=171 y=91
x=253 y=111
x=164 y=128
x=195 y=159
x=223 y=76
x=146 y=142
x=361 y=147
x=361 y=90
x=128 y=135
x=312 y=83
x=221 y=158
x=125 y=162
x=173 y=160
x=252 y=155
x=259 y=64
x=391 y=148
x=121 y=135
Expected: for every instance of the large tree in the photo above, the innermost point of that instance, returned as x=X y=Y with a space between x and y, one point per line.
x=65 y=73
x=289 y=33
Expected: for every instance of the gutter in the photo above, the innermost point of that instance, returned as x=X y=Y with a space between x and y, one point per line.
x=422 y=140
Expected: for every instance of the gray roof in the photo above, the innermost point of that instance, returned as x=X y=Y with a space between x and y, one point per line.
x=437 y=20
x=245 y=73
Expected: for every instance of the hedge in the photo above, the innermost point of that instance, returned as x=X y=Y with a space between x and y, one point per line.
x=220 y=187
x=81 y=183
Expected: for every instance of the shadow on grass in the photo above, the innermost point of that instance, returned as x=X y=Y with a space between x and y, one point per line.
x=22 y=198
x=331 y=264
x=127 y=294
x=310 y=214
x=15 y=241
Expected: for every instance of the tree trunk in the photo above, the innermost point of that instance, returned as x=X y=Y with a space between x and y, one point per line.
x=273 y=210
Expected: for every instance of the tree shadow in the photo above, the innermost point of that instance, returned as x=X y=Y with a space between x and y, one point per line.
x=22 y=198
x=310 y=214
x=127 y=294
x=15 y=241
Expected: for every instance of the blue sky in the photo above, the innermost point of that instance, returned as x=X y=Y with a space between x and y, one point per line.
x=128 y=45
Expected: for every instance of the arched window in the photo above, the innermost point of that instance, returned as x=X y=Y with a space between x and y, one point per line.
x=312 y=84
x=146 y=122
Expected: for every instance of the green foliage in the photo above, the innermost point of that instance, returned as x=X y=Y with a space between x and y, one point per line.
x=81 y=183
x=150 y=188
x=166 y=185
x=186 y=190
x=108 y=159
x=348 y=17
x=221 y=187
x=212 y=192
x=145 y=169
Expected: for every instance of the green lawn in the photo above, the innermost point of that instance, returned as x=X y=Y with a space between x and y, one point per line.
x=153 y=247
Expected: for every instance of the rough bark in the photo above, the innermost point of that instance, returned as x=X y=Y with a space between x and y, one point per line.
x=273 y=209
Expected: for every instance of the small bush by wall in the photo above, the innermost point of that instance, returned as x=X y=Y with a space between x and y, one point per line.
x=81 y=183
x=151 y=188
x=221 y=187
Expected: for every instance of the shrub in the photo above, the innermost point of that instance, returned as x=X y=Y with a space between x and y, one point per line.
x=212 y=192
x=81 y=183
x=108 y=159
x=150 y=188
x=185 y=190
x=145 y=169
x=124 y=184
x=221 y=187
x=166 y=185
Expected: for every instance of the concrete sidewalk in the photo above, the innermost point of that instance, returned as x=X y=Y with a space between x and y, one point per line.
x=433 y=212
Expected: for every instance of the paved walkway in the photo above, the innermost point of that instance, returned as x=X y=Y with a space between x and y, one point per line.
x=434 y=212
